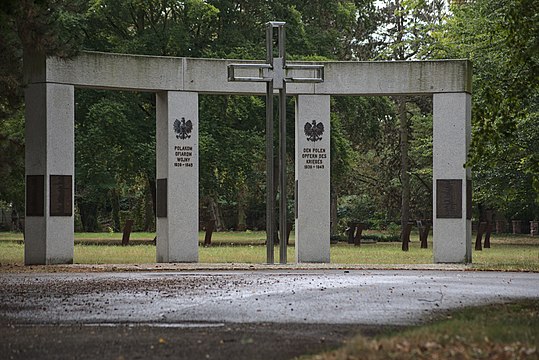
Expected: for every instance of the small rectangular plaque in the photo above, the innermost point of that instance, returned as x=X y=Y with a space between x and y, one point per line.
x=35 y=195
x=161 y=195
x=61 y=195
x=448 y=199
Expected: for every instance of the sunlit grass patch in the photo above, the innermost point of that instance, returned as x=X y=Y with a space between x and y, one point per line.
x=509 y=331
x=11 y=253
x=380 y=253
x=105 y=254
x=506 y=253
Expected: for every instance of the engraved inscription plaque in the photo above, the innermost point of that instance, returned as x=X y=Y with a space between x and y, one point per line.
x=449 y=199
x=161 y=195
x=35 y=195
x=61 y=195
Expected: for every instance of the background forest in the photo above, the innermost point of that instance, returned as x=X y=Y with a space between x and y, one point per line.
x=381 y=148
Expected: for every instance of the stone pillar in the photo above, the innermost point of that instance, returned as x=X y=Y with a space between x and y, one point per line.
x=451 y=180
x=49 y=164
x=177 y=176
x=312 y=190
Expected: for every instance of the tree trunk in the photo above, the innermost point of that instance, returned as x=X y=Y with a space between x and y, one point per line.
x=127 y=232
x=405 y=176
x=479 y=238
x=88 y=216
x=357 y=237
x=210 y=226
x=405 y=236
x=215 y=214
x=424 y=235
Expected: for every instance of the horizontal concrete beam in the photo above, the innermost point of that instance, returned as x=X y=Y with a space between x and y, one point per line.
x=157 y=73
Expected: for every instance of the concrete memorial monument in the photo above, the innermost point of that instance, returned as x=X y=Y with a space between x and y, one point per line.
x=177 y=82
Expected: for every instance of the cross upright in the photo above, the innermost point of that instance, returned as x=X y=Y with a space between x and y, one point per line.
x=275 y=74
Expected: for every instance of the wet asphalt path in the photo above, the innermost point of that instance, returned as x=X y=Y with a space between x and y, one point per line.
x=325 y=297
x=255 y=309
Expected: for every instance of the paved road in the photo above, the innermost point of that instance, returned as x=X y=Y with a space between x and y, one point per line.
x=338 y=297
x=322 y=307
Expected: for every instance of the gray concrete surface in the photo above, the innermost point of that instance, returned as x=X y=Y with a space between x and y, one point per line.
x=216 y=297
x=177 y=231
x=157 y=73
x=312 y=186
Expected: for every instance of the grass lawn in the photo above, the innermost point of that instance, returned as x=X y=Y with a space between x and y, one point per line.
x=508 y=331
x=224 y=237
x=507 y=252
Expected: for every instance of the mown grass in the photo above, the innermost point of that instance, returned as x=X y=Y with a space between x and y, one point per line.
x=507 y=331
x=218 y=238
x=507 y=252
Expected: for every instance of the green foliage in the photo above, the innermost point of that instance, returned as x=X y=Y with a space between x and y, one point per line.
x=405 y=31
x=508 y=179
x=115 y=132
x=356 y=209
x=115 y=156
x=12 y=161
x=502 y=40
x=51 y=27
x=156 y=27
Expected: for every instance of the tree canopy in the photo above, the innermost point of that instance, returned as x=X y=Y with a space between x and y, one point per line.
x=379 y=146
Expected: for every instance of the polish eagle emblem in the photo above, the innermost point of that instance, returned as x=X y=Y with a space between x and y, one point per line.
x=314 y=130
x=183 y=128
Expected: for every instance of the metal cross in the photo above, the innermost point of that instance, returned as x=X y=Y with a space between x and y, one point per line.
x=275 y=74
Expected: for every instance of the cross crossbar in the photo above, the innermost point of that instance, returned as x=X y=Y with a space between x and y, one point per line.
x=266 y=73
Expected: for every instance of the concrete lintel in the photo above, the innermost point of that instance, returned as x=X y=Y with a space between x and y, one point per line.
x=108 y=71
x=157 y=73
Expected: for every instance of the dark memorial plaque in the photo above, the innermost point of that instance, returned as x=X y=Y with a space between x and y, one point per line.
x=449 y=199
x=61 y=192
x=35 y=195
x=161 y=195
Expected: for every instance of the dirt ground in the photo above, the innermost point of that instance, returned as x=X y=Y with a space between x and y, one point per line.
x=218 y=341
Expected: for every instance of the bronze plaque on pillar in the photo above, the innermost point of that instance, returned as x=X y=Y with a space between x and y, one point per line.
x=61 y=203
x=161 y=195
x=448 y=199
x=35 y=195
